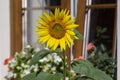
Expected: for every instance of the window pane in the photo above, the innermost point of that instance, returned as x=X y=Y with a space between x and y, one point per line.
x=103 y=1
x=101 y=27
x=30 y=14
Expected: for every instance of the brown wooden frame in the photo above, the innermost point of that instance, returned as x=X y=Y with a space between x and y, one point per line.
x=16 y=22
x=108 y=6
x=16 y=25
x=78 y=45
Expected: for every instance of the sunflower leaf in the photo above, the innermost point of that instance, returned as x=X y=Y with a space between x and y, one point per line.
x=78 y=34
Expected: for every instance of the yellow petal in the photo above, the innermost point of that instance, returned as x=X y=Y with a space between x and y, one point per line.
x=47 y=16
x=71 y=21
x=42 y=23
x=57 y=42
x=44 y=19
x=62 y=44
x=72 y=26
x=44 y=39
x=40 y=27
x=68 y=43
x=66 y=18
x=69 y=38
x=68 y=12
x=57 y=13
x=43 y=33
x=61 y=14
x=70 y=32
x=75 y=37
x=50 y=42
x=52 y=16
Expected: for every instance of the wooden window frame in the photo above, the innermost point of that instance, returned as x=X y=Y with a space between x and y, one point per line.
x=16 y=25
x=16 y=22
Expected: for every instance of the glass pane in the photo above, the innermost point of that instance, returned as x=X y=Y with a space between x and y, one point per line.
x=101 y=23
x=29 y=19
x=99 y=28
x=41 y=3
x=103 y=1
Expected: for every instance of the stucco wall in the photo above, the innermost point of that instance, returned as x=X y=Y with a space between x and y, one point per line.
x=4 y=35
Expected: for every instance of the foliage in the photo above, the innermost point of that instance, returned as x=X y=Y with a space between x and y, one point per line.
x=57 y=31
x=24 y=63
x=102 y=60
x=100 y=55
x=50 y=67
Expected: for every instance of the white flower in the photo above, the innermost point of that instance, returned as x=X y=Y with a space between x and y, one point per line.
x=16 y=54
x=12 y=63
x=10 y=75
x=32 y=56
x=36 y=68
x=54 y=54
x=18 y=67
x=72 y=72
x=14 y=75
x=45 y=59
x=25 y=66
x=67 y=78
x=45 y=69
x=53 y=69
x=28 y=46
x=23 y=53
x=48 y=65
x=41 y=60
x=22 y=64
x=57 y=59
x=49 y=57
x=61 y=68
x=25 y=72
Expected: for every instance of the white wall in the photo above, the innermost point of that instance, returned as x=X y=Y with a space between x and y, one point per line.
x=4 y=35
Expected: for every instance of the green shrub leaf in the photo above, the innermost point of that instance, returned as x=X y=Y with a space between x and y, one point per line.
x=39 y=55
x=30 y=76
x=42 y=76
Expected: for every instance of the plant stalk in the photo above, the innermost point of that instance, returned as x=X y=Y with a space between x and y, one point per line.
x=64 y=65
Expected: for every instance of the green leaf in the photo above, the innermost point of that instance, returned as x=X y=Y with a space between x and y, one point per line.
x=42 y=76
x=83 y=67
x=30 y=76
x=39 y=55
x=78 y=34
x=57 y=50
x=57 y=76
x=103 y=47
x=100 y=75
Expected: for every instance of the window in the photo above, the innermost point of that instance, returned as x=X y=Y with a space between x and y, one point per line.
x=90 y=15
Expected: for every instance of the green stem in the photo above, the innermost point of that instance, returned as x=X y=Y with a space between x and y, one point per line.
x=64 y=66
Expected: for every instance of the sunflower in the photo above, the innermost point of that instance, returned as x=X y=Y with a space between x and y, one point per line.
x=56 y=30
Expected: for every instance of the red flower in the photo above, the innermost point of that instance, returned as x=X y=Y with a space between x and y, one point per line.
x=90 y=46
x=79 y=58
x=7 y=60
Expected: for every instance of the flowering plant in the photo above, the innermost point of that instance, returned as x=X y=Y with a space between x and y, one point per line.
x=56 y=31
x=100 y=54
x=99 y=57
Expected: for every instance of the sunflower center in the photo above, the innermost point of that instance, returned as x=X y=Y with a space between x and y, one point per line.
x=57 y=31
